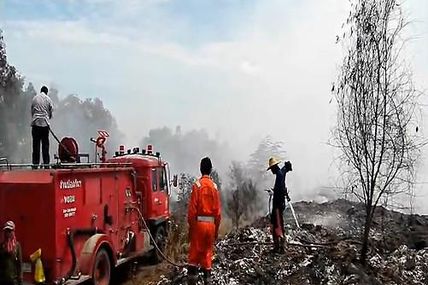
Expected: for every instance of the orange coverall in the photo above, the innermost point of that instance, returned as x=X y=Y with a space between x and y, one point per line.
x=204 y=215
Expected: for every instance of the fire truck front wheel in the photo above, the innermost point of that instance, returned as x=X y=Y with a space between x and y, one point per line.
x=160 y=239
x=102 y=268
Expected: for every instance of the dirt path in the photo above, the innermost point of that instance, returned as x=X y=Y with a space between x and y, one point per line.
x=141 y=273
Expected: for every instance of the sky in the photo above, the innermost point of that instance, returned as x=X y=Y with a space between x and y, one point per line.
x=240 y=69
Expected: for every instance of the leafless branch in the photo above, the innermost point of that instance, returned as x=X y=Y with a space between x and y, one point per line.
x=377 y=107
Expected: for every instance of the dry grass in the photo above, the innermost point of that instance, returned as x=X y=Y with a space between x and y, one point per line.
x=176 y=249
x=226 y=226
x=178 y=241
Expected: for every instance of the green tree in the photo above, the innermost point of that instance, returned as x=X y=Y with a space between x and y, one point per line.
x=259 y=159
x=216 y=178
x=72 y=116
x=184 y=150
x=14 y=110
x=183 y=195
x=82 y=119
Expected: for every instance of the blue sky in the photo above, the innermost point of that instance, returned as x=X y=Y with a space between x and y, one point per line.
x=241 y=69
x=190 y=22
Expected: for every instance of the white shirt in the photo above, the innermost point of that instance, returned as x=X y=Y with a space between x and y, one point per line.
x=41 y=110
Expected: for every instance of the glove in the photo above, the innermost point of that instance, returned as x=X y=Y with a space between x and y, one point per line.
x=288 y=166
x=269 y=191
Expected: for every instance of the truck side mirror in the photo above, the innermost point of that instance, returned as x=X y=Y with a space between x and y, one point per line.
x=175 y=180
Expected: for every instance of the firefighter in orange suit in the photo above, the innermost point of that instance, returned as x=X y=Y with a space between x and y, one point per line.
x=204 y=215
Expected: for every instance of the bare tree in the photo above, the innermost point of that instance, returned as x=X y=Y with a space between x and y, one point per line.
x=235 y=206
x=377 y=107
x=178 y=241
x=216 y=178
x=183 y=195
x=242 y=200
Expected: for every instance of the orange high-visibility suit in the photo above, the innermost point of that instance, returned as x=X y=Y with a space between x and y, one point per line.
x=204 y=215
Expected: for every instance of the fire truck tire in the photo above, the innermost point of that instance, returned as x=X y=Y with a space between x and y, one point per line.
x=101 y=273
x=160 y=239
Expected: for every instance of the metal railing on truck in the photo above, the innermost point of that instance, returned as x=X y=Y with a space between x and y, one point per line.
x=9 y=166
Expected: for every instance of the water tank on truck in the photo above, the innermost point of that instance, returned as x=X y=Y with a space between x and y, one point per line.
x=86 y=218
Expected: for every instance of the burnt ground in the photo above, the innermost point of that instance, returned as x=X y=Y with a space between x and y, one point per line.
x=397 y=252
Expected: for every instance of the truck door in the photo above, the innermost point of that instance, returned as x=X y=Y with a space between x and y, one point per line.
x=164 y=191
x=160 y=192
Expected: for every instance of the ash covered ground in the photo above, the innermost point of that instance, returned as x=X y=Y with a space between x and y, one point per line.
x=397 y=250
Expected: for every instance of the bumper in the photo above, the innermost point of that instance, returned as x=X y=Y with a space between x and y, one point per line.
x=82 y=279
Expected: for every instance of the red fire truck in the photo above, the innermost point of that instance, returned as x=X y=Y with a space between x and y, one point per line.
x=87 y=218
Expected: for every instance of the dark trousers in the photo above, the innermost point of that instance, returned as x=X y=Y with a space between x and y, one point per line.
x=9 y=282
x=278 y=230
x=40 y=135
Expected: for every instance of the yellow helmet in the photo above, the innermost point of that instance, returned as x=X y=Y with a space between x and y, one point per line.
x=273 y=161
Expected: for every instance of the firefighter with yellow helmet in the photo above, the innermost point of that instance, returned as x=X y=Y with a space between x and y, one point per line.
x=278 y=204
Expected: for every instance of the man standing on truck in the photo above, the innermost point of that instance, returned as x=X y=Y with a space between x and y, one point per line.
x=278 y=206
x=41 y=112
x=204 y=216
x=10 y=257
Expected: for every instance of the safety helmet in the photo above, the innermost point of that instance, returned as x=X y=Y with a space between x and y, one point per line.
x=9 y=225
x=273 y=161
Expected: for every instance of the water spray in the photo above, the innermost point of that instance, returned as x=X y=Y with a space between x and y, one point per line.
x=290 y=205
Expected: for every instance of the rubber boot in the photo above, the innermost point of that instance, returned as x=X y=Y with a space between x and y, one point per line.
x=281 y=245
x=207 y=277
x=275 y=244
x=192 y=275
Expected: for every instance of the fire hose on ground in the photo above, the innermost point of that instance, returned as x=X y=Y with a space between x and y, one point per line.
x=154 y=241
x=243 y=243
x=303 y=243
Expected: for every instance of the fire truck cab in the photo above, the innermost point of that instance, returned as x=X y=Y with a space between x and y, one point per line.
x=87 y=218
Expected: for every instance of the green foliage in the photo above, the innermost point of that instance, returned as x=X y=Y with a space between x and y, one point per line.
x=184 y=150
x=183 y=195
x=14 y=109
x=82 y=119
x=216 y=178
x=72 y=116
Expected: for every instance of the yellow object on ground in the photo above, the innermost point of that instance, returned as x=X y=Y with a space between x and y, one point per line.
x=39 y=274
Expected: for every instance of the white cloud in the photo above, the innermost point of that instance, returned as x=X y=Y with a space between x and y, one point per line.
x=63 y=32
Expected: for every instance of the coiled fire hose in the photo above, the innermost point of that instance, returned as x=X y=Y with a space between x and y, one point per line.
x=57 y=139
